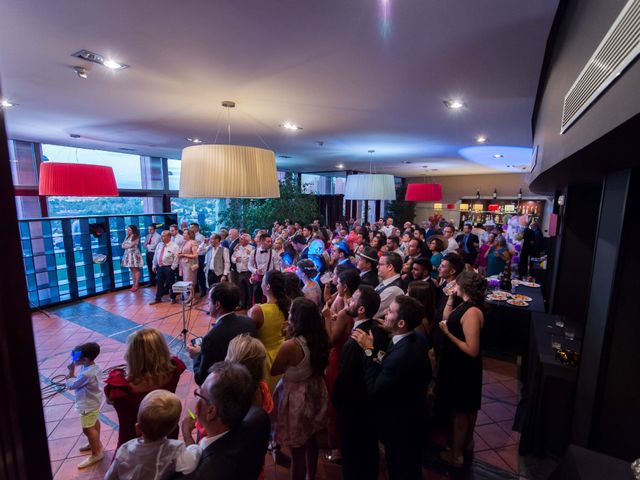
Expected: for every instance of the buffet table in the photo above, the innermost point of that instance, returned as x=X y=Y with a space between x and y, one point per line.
x=506 y=328
x=549 y=391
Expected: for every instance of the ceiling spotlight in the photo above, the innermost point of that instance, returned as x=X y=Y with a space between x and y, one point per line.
x=6 y=103
x=481 y=139
x=193 y=140
x=340 y=165
x=406 y=161
x=74 y=135
x=99 y=59
x=290 y=126
x=284 y=156
x=82 y=72
x=453 y=104
x=498 y=155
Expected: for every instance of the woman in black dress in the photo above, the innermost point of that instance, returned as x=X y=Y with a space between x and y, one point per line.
x=459 y=381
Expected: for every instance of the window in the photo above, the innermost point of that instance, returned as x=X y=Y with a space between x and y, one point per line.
x=174 y=174
x=76 y=206
x=126 y=168
x=23 y=165
x=203 y=211
x=28 y=207
x=323 y=183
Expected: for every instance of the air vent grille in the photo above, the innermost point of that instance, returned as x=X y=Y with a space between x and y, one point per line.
x=617 y=50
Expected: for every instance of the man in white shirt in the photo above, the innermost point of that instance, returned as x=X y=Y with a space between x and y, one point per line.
x=176 y=237
x=216 y=261
x=388 y=228
x=389 y=268
x=150 y=243
x=202 y=250
x=165 y=264
x=240 y=258
x=261 y=261
x=448 y=232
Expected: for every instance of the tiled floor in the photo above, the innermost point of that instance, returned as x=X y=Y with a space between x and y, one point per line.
x=109 y=318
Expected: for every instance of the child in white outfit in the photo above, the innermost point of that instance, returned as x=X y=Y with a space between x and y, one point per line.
x=154 y=456
x=88 y=389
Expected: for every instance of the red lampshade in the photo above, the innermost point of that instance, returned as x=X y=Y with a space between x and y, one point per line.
x=451 y=206
x=494 y=207
x=423 y=192
x=77 y=180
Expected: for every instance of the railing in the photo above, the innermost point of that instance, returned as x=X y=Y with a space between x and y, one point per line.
x=70 y=258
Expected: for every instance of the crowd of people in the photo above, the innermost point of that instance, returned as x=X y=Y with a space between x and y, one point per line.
x=352 y=338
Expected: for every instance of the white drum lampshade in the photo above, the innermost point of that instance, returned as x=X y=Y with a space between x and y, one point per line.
x=228 y=171
x=370 y=187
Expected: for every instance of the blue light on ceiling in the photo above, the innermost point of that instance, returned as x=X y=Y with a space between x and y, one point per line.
x=484 y=155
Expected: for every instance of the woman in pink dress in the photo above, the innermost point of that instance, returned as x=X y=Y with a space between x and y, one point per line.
x=301 y=397
x=188 y=258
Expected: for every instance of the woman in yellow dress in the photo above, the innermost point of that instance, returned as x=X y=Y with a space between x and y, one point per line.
x=269 y=319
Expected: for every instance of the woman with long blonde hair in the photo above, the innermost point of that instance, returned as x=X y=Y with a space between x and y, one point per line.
x=150 y=366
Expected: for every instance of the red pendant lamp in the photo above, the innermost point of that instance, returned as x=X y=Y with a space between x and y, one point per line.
x=423 y=192
x=77 y=180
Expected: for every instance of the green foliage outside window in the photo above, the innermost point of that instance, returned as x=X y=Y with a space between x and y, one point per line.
x=253 y=214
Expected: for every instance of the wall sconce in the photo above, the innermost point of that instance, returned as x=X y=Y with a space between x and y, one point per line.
x=495 y=193
x=478 y=195
x=520 y=195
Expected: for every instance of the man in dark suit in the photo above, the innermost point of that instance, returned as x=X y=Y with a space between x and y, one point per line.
x=367 y=263
x=397 y=383
x=469 y=244
x=224 y=299
x=358 y=435
x=238 y=432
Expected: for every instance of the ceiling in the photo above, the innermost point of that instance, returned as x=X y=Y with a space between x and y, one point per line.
x=356 y=75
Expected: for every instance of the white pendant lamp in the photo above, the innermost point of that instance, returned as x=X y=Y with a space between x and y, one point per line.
x=370 y=186
x=228 y=171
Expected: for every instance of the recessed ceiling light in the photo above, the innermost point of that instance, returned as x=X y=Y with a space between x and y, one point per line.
x=434 y=169
x=6 y=103
x=99 y=59
x=124 y=149
x=284 y=156
x=290 y=126
x=454 y=104
x=193 y=140
x=82 y=72
x=74 y=135
x=340 y=165
x=481 y=139
x=405 y=161
x=498 y=155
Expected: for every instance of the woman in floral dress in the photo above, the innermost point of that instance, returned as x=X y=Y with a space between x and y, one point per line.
x=131 y=256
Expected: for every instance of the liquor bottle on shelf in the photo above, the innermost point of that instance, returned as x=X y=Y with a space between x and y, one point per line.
x=505 y=278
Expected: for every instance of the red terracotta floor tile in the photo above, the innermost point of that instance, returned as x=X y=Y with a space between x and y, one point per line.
x=498 y=412
x=54 y=466
x=496 y=390
x=479 y=444
x=483 y=418
x=492 y=458
x=66 y=428
x=59 y=448
x=511 y=457
x=56 y=412
x=495 y=436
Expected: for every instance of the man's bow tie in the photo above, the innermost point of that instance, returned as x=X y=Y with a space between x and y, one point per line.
x=264 y=251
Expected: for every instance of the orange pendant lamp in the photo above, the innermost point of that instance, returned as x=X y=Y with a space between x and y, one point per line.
x=77 y=180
